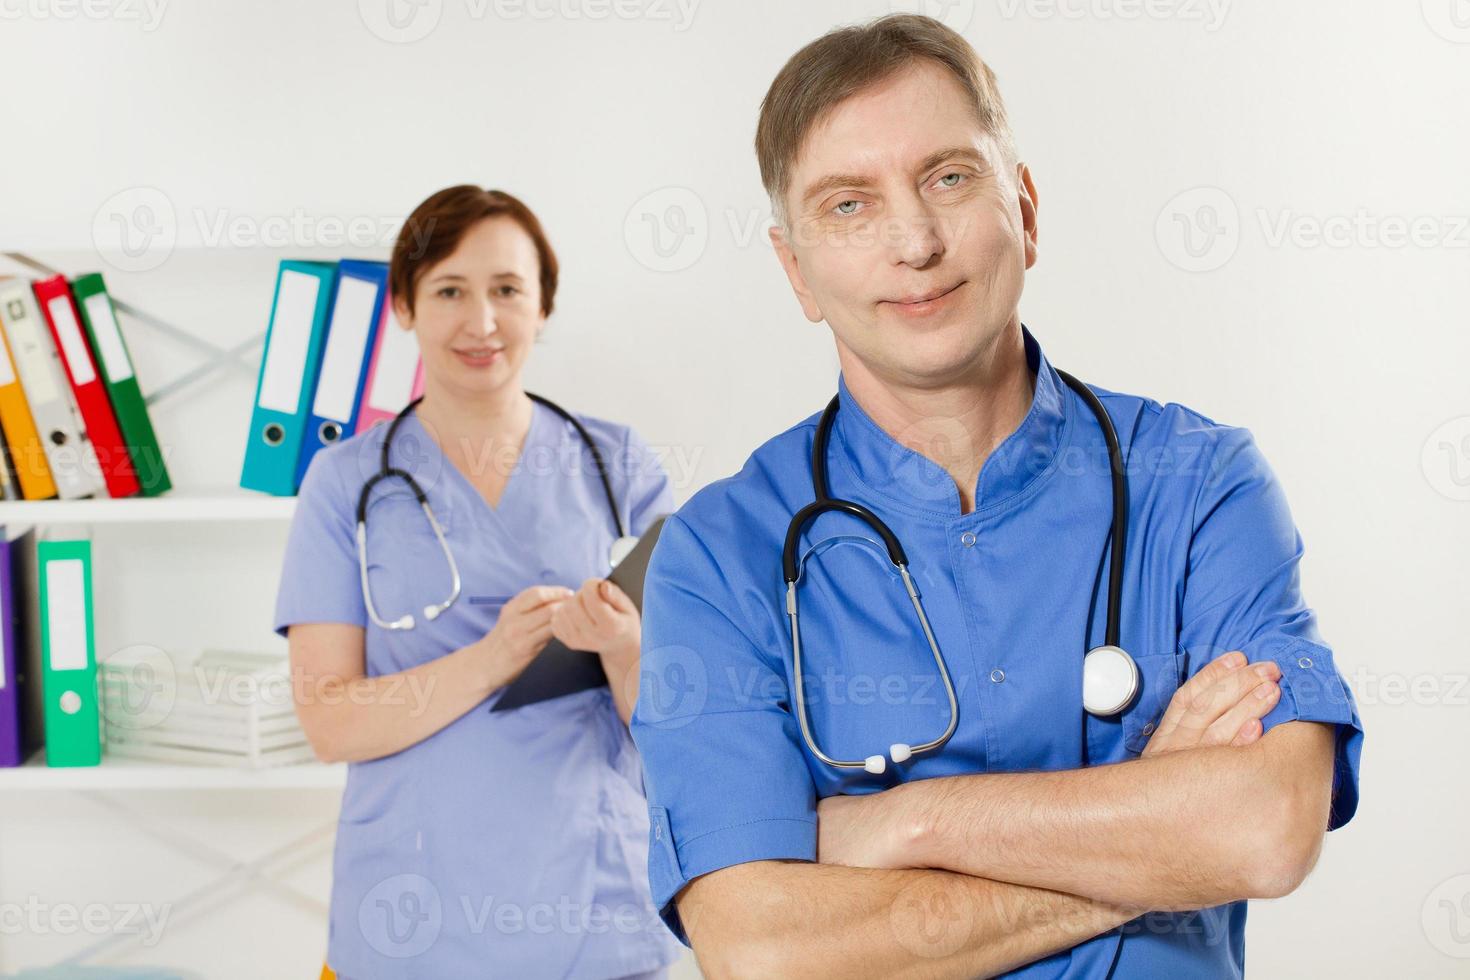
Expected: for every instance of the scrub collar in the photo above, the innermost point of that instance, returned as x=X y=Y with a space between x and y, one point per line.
x=911 y=481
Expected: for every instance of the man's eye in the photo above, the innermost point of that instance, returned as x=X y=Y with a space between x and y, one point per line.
x=955 y=183
x=840 y=209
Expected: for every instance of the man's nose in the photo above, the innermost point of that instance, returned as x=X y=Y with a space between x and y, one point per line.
x=918 y=237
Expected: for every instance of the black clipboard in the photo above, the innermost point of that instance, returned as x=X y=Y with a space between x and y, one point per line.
x=559 y=670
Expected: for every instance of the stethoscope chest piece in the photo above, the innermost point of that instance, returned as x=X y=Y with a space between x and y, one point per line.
x=1109 y=680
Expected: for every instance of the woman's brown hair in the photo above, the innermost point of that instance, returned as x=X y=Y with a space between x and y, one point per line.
x=436 y=226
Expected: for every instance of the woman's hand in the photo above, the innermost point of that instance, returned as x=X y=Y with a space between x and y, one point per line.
x=599 y=617
x=523 y=629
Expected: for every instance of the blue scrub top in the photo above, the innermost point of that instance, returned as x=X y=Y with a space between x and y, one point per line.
x=1016 y=592
x=505 y=845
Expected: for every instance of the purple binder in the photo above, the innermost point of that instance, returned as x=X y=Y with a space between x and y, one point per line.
x=10 y=725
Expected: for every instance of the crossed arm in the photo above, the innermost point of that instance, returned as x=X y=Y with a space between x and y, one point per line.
x=976 y=875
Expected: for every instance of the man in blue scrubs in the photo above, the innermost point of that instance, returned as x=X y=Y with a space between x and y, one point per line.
x=1040 y=839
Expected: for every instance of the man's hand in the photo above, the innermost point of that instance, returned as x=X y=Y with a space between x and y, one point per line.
x=1223 y=704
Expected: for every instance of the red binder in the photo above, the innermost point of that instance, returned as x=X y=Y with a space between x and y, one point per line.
x=60 y=313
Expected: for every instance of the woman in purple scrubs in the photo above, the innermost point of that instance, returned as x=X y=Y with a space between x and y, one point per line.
x=471 y=842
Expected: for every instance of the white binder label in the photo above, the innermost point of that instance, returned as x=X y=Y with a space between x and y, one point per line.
x=7 y=369
x=72 y=344
x=398 y=363
x=352 y=317
x=31 y=350
x=66 y=613
x=115 y=361
x=290 y=340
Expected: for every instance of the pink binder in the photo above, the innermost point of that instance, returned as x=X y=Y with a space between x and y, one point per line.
x=395 y=372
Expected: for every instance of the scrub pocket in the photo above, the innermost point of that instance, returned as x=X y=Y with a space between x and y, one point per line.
x=383 y=903
x=1159 y=677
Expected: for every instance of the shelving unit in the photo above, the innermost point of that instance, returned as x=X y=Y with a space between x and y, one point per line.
x=112 y=788
x=175 y=506
x=123 y=773
x=133 y=774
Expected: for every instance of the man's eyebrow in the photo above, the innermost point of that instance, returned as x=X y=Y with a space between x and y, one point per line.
x=832 y=182
x=939 y=156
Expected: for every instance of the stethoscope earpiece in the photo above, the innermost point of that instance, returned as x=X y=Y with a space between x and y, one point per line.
x=899 y=752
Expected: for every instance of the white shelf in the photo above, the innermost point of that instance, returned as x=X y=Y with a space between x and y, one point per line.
x=172 y=507
x=117 y=773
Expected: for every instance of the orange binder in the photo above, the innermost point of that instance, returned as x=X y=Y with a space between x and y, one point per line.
x=26 y=451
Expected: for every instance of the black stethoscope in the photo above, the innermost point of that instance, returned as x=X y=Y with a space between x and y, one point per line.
x=621 y=545
x=1109 y=675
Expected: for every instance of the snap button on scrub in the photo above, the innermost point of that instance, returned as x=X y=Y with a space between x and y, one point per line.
x=1304 y=663
x=997 y=675
x=968 y=539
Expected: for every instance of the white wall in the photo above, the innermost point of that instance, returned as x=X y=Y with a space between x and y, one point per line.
x=1347 y=360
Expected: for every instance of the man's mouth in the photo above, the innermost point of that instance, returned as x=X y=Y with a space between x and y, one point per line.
x=918 y=303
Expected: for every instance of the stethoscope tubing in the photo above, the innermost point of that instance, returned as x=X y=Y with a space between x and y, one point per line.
x=386 y=471
x=824 y=502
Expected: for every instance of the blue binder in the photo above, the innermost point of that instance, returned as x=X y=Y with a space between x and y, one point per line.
x=357 y=310
x=293 y=347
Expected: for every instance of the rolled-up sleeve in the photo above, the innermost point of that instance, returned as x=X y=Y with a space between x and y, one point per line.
x=727 y=781
x=1243 y=592
x=320 y=581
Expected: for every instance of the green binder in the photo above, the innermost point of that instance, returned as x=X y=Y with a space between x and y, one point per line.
x=68 y=653
x=116 y=366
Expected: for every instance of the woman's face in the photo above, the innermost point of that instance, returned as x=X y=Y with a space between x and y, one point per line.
x=478 y=310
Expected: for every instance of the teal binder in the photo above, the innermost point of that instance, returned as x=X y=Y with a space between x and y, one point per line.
x=68 y=653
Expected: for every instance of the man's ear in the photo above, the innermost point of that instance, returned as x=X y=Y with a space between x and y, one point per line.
x=793 y=274
x=1026 y=193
